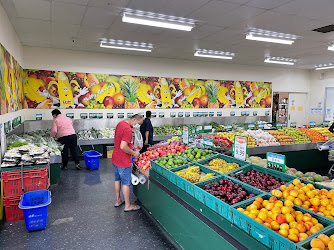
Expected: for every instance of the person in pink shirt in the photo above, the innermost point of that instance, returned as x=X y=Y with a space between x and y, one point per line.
x=62 y=129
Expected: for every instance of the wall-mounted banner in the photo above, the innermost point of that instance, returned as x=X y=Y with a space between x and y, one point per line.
x=11 y=85
x=50 y=89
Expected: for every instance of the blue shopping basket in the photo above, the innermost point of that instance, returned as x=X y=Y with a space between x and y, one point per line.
x=35 y=208
x=92 y=159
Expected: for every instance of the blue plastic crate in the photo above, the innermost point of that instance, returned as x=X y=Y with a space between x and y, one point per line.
x=267 y=236
x=183 y=183
x=35 y=208
x=216 y=204
x=92 y=159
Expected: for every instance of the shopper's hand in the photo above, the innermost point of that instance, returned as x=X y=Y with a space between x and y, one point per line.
x=146 y=142
x=136 y=153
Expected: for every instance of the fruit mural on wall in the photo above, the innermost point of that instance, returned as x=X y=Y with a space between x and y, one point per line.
x=11 y=88
x=52 y=89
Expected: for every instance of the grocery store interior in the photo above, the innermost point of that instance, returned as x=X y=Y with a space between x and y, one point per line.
x=240 y=94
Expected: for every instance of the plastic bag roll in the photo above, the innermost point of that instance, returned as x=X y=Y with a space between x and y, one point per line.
x=134 y=180
x=142 y=178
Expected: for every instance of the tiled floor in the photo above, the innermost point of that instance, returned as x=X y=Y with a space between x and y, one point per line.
x=82 y=216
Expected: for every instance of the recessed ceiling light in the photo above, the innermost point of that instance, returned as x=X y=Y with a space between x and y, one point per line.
x=214 y=54
x=157 y=20
x=126 y=45
x=270 y=36
x=280 y=60
x=331 y=47
x=324 y=66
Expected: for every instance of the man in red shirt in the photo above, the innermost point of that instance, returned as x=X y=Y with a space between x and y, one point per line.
x=122 y=160
x=62 y=129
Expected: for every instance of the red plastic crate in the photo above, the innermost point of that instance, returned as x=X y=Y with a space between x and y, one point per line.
x=33 y=179
x=12 y=210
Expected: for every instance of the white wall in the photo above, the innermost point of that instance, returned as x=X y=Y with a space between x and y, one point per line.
x=289 y=80
x=318 y=91
x=9 y=38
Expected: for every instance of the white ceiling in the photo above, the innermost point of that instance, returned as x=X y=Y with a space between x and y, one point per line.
x=221 y=26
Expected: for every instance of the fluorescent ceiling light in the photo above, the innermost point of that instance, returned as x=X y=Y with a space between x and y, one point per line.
x=270 y=36
x=161 y=21
x=331 y=47
x=268 y=39
x=280 y=60
x=324 y=66
x=126 y=45
x=214 y=54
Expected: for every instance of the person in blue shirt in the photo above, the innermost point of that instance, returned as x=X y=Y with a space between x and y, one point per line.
x=146 y=130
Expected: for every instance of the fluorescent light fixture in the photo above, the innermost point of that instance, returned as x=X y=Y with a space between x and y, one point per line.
x=126 y=45
x=158 y=20
x=331 y=47
x=280 y=60
x=214 y=54
x=324 y=66
x=270 y=36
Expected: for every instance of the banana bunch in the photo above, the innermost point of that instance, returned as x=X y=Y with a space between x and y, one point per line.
x=32 y=88
x=108 y=89
x=142 y=93
x=222 y=94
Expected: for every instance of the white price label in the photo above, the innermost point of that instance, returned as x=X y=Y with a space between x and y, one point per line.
x=185 y=135
x=240 y=147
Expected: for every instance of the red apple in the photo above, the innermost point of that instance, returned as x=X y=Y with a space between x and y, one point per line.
x=263 y=102
x=196 y=102
x=85 y=99
x=179 y=100
x=108 y=102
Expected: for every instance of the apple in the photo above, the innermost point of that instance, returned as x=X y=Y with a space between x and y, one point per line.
x=179 y=100
x=85 y=99
x=268 y=100
x=196 y=102
x=108 y=102
x=263 y=102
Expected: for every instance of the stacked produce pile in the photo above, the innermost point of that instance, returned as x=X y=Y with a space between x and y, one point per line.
x=309 y=197
x=257 y=161
x=298 y=136
x=38 y=138
x=222 y=166
x=281 y=137
x=196 y=154
x=144 y=160
x=311 y=176
x=194 y=174
x=220 y=141
x=163 y=143
x=265 y=182
x=27 y=155
x=168 y=130
x=323 y=242
x=91 y=134
x=227 y=191
x=282 y=218
x=172 y=161
x=230 y=136
x=262 y=138
x=313 y=135
x=324 y=132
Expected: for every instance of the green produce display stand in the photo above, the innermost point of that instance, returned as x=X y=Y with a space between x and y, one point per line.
x=187 y=222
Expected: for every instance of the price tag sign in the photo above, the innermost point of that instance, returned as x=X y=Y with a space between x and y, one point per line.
x=228 y=127
x=279 y=125
x=70 y=115
x=293 y=124
x=207 y=129
x=129 y=115
x=110 y=115
x=20 y=120
x=208 y=142
x=199 y=129
x=185 y=135
x=161 y=115
x=211 y=114
x=312 y=124
x=261 y=125
x=154 y=114
x=92 y=115
x=120 y=115
x=247 y=113
x=100 y=115
x=83 y=115
x=172 y=114
x=232 y=113
x=325 y=124
x=187 y=114
x=276 y=161
x=180 y=114
x=193 y=131
x=251 y=126
x=267 y=113
x=38 y=117
x=6 y=127
x=240 y=147
x=254 y=113
x=219 y=113
x=205 y=114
